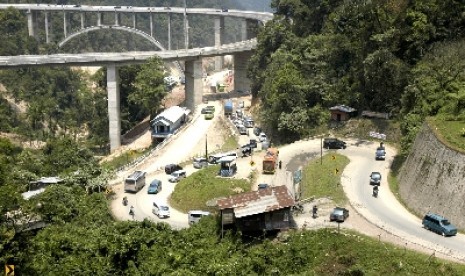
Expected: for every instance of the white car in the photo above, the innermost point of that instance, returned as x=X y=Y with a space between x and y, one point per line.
x=176 y=176
x=161 y=210
x=262 y=137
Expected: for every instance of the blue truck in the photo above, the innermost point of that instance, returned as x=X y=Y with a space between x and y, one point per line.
x=228 y=108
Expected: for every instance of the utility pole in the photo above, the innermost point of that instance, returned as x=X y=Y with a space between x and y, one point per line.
x=321 y=151
x=206 y=147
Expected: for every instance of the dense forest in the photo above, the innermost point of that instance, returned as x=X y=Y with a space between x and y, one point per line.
x=399 y=57
x=396 y=56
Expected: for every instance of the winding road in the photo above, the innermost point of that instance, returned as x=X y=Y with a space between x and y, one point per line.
x=385 y=211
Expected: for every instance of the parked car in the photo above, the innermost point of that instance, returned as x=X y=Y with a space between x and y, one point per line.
x=154 y=187
x=243 y=131
x=257 y=131
x=439 y=224
x=194 y=216
x=333 y=143
x=176 y=176
x=263 y=186
x=339 y=214
x=161 y=210
x=171 y=168
x=380 y=153
x=211 y=108
x=262 y=137
x=375 y=178
x=200 y=162
x=204 y=110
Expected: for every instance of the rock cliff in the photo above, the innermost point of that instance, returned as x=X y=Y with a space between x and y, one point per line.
x=433 y=178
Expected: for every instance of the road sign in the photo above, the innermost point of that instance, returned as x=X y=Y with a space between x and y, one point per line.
x=9 y=270
x=336 y=171
x=252 y=163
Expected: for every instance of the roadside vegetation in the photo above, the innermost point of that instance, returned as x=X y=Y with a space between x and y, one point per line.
x=449 y=132
x=195 y=191
x=322 y=177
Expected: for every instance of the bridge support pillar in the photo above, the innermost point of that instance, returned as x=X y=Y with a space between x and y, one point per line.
x=169 y=31
x=194 y=83
x=117 y=19
x=219 y=39
x=83 y=20
x=48 y=30
x=99 y=19
x=114 y=114
x=32 y=23
x=241 y=82
x=65 y=24
x=244 y=29
x=134 y=20
x=151 y=24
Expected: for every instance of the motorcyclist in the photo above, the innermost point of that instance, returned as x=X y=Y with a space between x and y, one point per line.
x=131 y=211
x=125 y=201
x=314 y=211
x=375 y=190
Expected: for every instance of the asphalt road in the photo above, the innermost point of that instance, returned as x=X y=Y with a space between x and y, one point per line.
x=384 y=211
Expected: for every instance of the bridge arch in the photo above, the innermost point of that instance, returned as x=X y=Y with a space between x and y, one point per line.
x=113 y=27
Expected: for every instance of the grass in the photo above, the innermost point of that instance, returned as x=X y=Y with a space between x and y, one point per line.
x=327 y=252
x=320 y=179
x=123 y=159
x=450 y=133
x=230 y=143
x=194 y=191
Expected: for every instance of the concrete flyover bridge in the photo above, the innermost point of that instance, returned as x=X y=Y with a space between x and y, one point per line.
x=241 y=50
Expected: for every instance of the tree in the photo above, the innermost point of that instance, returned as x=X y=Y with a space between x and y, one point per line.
x=150 y=89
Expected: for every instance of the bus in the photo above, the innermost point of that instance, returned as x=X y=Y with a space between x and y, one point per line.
x=134 y=182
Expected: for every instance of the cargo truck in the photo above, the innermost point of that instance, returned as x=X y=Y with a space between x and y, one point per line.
x=270 y=161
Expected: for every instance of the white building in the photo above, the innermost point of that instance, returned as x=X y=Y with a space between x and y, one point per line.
x=168 y=122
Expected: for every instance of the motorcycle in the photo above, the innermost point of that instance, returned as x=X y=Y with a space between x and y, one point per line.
x=131 y=211
x=125 y=201
x=375 y=191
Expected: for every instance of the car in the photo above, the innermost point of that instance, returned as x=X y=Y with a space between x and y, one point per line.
x=224 y=10
x=209 y=115
x=257 y=131
x=263 y=186
x=262 y=137
x=172 y=168
x=200 y=162
x=210 y=107
x=243 y=131
x=177 y=176
x=438 y=224
x=117 y=7
x=380 y=153
x=194 y=216
x=375 y=178
x=161 y=210
x=167 y=8
x=154 y=187
x=339 y=214
x=204 y=110
x=334 y=143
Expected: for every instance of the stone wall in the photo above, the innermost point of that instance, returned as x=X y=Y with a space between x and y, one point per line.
x=433 y=179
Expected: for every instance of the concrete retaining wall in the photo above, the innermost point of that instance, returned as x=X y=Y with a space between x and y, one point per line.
x=433 y=179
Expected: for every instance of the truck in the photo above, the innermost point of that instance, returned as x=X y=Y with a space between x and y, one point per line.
x=270 y=161
x=228 y=108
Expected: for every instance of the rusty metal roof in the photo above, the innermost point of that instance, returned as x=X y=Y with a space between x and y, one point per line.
x=257 y=202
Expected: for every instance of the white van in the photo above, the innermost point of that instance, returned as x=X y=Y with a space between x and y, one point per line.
x=195 y=215
x=161 y=210
x=214 y=159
